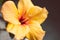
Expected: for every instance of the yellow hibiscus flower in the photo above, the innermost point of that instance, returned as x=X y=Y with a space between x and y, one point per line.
x=24 y=20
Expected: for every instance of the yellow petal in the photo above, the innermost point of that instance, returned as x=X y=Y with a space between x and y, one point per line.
x=36 y=31
x=33 y=11
x=21 y=9
x=10 y=12
x=38 y=14
x=18 y=30
x=27 y=4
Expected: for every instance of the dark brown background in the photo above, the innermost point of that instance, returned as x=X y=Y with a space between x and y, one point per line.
x=51 y=25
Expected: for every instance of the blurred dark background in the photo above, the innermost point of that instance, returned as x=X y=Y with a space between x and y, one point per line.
x=52 y=23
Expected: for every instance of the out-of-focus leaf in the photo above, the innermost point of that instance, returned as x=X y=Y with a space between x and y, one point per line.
x=1 y=2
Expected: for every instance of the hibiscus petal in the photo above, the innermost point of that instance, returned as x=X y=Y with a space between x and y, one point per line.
x=21 y=9
x=36 y=31
x=18 y=30
x=27 y=4
x=33 y=11
x=38 y=14
x=10 y=12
